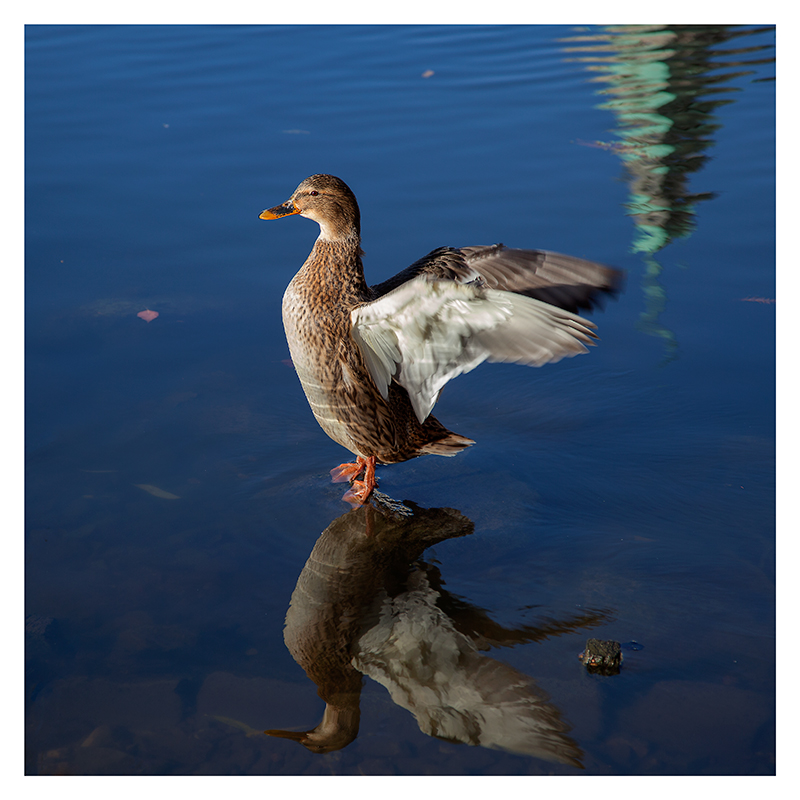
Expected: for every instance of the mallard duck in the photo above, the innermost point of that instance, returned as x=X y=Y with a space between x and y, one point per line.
x=372 y=360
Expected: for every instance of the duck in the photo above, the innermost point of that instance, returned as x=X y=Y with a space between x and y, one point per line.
x=372 y=360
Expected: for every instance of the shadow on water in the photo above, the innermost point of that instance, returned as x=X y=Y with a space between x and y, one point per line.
x=366 y=603
x=663 y=84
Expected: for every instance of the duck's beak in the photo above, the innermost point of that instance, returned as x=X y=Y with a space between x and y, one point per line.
x=298 y=736
x=283 y=210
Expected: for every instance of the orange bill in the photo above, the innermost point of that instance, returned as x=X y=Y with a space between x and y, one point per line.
x=283 y=210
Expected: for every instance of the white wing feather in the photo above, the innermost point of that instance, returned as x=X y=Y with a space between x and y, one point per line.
x=424 y=333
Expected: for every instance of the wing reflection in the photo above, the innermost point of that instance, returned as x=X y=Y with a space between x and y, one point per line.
x=366 y=604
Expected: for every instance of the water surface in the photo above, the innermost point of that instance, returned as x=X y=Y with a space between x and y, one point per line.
x=177 y=483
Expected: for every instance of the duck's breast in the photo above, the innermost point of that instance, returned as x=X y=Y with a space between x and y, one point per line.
x=316 y=338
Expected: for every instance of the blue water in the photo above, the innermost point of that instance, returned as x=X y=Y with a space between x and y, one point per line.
x=626 y=495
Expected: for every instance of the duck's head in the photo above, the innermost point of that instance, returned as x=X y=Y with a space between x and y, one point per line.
x=328 y=201
x=338 y=728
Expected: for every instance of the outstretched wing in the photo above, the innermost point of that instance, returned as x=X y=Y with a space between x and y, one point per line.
x=425 y=332
x=565 y=281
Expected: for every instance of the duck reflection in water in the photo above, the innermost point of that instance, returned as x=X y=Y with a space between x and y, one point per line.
x=365 y=604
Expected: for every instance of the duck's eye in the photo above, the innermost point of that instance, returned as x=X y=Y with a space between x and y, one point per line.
x=313 y=192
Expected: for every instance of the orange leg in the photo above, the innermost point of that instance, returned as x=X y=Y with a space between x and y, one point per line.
x=359 y=492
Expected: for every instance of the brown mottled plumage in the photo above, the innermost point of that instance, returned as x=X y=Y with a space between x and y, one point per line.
x=372 y=360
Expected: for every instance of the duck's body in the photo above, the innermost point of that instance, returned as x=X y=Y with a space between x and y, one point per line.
x=372 y=360
x=317 y=308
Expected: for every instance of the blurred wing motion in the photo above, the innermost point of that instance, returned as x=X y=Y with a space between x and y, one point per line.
x=427 y=331
x=568 y=282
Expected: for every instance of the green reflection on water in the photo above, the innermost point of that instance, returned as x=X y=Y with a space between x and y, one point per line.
x=656 y=80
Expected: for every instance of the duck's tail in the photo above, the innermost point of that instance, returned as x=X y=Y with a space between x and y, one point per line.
x=448 y=445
